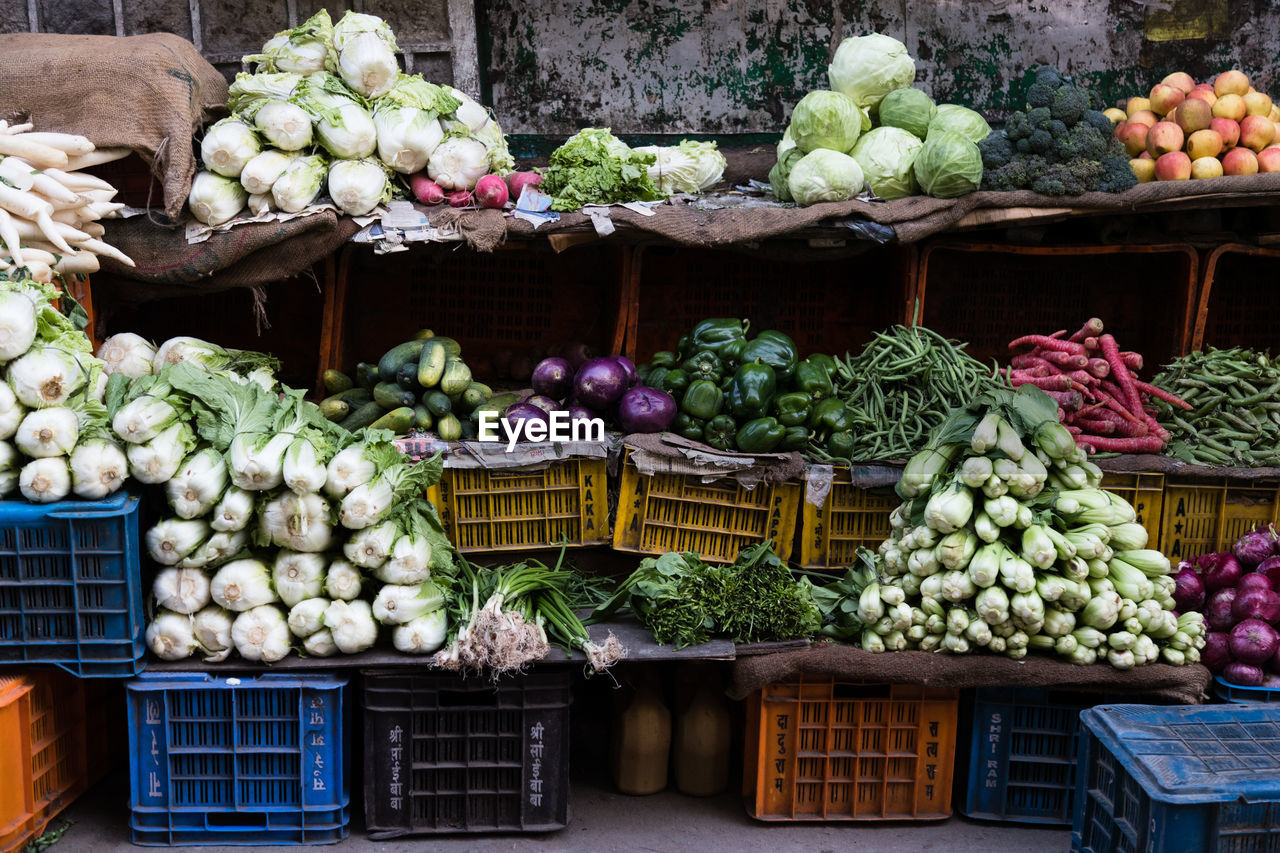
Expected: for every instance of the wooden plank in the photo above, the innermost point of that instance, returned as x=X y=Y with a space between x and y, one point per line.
x=465 y=51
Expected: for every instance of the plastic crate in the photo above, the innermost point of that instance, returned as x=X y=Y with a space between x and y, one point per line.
x=823 y=749
x=446 y=754
x=678 y=512
x=71 y=587
x=1179 y=779
x=1237 y=299
x=1199 y=518
x=1145 y=493
x=991 y=293
x=43 y=759
x=252 y=760
x=494 y=509
x=1239 y=694
x=851 y=517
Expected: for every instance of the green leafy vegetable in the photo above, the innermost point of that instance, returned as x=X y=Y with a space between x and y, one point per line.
x=595 y=167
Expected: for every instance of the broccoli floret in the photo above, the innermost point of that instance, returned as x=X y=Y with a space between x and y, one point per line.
x=1057 y=128
x=1023 y=146
x=1081 y=142
x=1017 y=126
x=1095 y=119
x=1041 y=142
x=996 y=150
x=1049 y=76
x=1010 y=176
x=1096 y=101
x=1039 y=118
x=1117 y=175
x=1039 y=95
x=1072 y=178
x=1035 y=166
x=1069 y=104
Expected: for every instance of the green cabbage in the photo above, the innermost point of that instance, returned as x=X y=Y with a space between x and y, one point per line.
x=825 y=175
x=954 y=118
x=887 y=155
x=948 y=165
x=867 y=68
x=909 y=109
x=825 y=119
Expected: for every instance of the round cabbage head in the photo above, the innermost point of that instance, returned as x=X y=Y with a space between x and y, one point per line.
x=953 y=118
x=909 y=109
x=825 y=119
x=948 y=165
x=887 y=156
x=866 y=68
x=825 y=175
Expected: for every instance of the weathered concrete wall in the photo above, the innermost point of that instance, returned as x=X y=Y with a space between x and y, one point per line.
x=738 y=66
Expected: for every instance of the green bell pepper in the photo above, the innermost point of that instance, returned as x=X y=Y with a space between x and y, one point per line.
x=760 y=435
x=702 y=399
x=795 y=439
x=704 y=365
x=826 y=362
x=774 y=349
x=657 y=375
x=642 y=374
x=715 y=333
x=731 y=355
x=682 y=347
x=840 y=444
x=813 y=379
x=831 y=416
x=675 y=382
x=792 y=409
x=687 y=426
x=752 y=391
x=664 y=358
x=721 y=432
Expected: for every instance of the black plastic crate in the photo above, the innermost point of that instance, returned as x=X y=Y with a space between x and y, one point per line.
x=448 y=754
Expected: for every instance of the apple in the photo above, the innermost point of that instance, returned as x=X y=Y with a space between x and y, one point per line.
x=1205 y=95
x=1115 y=115
x=1136 y=104
x=1164 y=98
x=1275 y=113
x=1133 y=136
x=1231 y=83
x=1145 y=117
x=1258 y=104
x=1269 y=159
x=1276 y=125
x=1164 y=137
x=1143 y=170
x=1229 y=106
x=1206 y=167
x=1229 y=131
x=1257 y=132
x=1173 y=166
x=1172 y=115
x=1194 y=114
x=1180 y=80
x=1204 y=143
x=1239 y=161
x=1146 y=155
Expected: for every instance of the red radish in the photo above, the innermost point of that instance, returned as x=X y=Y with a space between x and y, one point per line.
x=1048 y=343
x=426 y=190
x=517 y=181
x=491 y=191
x=459 y=198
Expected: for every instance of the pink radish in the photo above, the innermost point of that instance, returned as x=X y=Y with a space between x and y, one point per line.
x=459 y=198
x=426 y=190
x=517 y=181
x=491 y=191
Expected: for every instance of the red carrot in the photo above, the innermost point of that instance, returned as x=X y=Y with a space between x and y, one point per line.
x=1046 y=342
x=1096 y=427
x=1132 y=360
x=1148 y=388
x=1091 y=329
x=1120 y=372
x=1065 y=359
x=1099 y=367
x=1074 y=430
x=1146 y=444
x=1091 y=344
x=1114 y=405
x=1044 y=383
x=1069 y=400
x=1083 y=377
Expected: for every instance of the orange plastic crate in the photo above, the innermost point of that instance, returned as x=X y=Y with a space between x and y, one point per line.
x=825 y=749
x=1200 y=518
x=42 y=752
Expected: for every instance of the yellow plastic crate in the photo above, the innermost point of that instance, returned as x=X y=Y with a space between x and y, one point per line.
x=1200 y=518
x=852 y=517
x=1145 y=492
x=678 y=512
x=520 y=508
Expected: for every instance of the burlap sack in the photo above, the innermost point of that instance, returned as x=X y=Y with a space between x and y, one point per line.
x=148 y=93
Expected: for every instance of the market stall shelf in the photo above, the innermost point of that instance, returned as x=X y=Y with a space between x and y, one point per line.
x=1237 y=298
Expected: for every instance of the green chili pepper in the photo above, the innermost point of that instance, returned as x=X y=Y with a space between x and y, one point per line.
x=760 y=435
x=792 y=409
x=702 y=399
x=721 y=432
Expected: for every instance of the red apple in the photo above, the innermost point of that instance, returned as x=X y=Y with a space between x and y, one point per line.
x=1257 y=132
x=1205 y=95
x=1269 y=159
x=1204 y=143
x=1145 y=117
x=1173 y=166
x=1229 y=131
x=1239 y=161
x=1164 y=98
x=1133 y=136
x=1231 y=83
x=1194 y=114
x=1180 y=80
x=1164 y=137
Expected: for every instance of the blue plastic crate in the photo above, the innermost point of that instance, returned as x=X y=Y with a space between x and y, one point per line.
x=1237 y=693
x=1179 y=779
x=71 y=585
x=254 y=760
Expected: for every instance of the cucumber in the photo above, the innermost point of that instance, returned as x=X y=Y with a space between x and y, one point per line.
x=366 y=375
x=423 y=334
x=456 y=378
x=431 y=364
x=336 y=381
x=476 y=394
x=437 y=403
x=451 y=346
x=497 y=405
x=389 y=396
x=354 y=396
x=361 y=417
x=469 y=431
x=335 y=410
x=449 y=428
x=389 y=364
x=422 y=418
x=407 y=377
x=397 y=420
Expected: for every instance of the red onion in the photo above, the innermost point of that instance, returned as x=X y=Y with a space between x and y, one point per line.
x=1188 y=592
x=1271 y=568
x=1253 y=602
x=1221 y=572
x=1253 y=641
x=1243 y=674
x=1216 y=653
x=1255 y=546
x=1218 y=611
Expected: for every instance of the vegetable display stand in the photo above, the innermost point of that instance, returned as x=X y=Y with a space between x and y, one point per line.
x=850 y=518
x=1240 y=695
x=1145 y=493
x=254 y=760
x=71 y=587
x=678 y=512
x=1021 y=755
x=43 y=758
x=444 y=753
x=1202 y=517
x=1180 y=779
x=991 y=293
x=823 y=749
x=824 y=305
x=1238 y=300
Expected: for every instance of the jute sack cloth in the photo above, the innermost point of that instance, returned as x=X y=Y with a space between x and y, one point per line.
x=149 y=93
